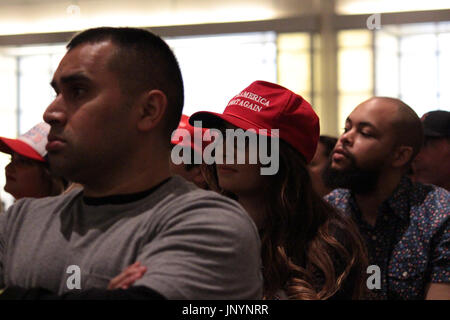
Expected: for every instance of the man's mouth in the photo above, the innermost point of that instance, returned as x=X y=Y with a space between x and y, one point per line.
x=54 y=143
x=340 y=154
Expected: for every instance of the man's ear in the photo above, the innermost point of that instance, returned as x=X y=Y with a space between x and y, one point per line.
x=401 y=156
x=152 y=109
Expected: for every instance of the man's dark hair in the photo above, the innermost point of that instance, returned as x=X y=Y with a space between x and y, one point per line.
x=329 y=143
x=143 y=61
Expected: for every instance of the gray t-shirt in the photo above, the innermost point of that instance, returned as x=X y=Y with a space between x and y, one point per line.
x=196 y=244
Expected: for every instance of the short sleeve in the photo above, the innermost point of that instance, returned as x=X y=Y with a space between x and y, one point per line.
x=209 y=249
x=440 y=259
x=338 y=198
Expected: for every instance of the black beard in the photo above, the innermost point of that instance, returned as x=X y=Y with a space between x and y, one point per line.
x=354 y=178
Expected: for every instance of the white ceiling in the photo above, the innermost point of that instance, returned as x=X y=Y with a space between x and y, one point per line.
x=41 y=16
x=37 y=16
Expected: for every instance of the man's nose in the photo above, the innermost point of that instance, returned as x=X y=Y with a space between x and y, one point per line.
x=347 y=138
x=55 y=113
x=9 y=167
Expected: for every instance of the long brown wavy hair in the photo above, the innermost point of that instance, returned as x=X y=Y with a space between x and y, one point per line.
x=309 y=249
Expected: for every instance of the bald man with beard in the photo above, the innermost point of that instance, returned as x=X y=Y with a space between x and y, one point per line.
x=405 y=224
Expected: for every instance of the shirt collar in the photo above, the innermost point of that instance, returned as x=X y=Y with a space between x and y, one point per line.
x=398 y=201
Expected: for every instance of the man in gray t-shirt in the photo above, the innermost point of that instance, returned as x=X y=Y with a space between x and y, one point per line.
x=119 y=96
x=196 y=244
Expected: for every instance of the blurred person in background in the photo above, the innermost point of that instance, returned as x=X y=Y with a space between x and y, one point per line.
x=28 y=174
x=183 y=137
x=317 y=165
x=432 y=164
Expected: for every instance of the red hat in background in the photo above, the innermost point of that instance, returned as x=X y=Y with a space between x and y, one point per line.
x=31 y=144
x=265 y=105
x=186 y=141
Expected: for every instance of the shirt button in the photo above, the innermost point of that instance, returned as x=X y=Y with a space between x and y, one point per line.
x=405 y=274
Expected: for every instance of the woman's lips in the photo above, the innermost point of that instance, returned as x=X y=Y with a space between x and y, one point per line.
x=225 y=169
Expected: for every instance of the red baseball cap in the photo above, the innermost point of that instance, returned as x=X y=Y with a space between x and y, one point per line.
x=266 y=105
x=30 y=144
x=180 y=136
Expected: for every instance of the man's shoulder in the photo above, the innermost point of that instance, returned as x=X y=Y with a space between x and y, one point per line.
x=338 y=198
x=180 y=199
x=39 y=206
x=183 y=193
x=430 y=202
x=433 y=194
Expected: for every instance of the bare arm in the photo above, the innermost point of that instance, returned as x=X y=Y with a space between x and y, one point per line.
x=127 y=277
x=438 y=291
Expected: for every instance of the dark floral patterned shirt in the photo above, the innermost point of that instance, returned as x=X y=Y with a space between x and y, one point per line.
x=410 y=241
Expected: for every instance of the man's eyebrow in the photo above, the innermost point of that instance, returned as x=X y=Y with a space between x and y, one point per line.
x=366 y=124
x=70 y=78
x=362 y=124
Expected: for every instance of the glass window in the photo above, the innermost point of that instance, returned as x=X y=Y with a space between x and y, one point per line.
x=355 y=70
x=294 y=63
x=387 y=66
x=8 y=114
x=32 y=91
x=8 y=93
x=354 y=38
x=216 y=68
x=412 y=63
x=443 y=68
x=347 y=102
x=444 y=43
x=418 y=87
x=418 y=44
x=35 y=91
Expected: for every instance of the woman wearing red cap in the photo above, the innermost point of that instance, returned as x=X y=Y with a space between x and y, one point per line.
x=28 y=175
x=309 y=250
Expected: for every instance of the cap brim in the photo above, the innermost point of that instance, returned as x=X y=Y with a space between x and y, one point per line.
x=14 y=145
x=430 y=133
x=208 y=119
x=216 y=120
